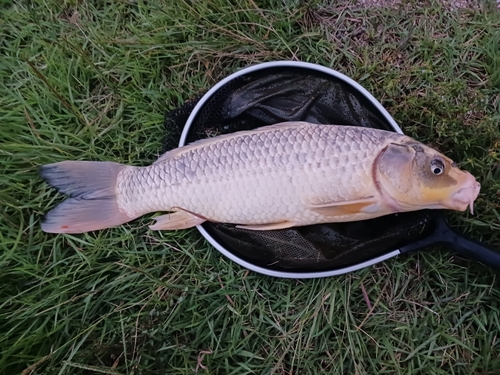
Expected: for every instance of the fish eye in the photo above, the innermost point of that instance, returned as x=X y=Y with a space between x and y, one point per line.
x=437 y=167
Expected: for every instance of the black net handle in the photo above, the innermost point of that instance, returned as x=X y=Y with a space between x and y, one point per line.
x=459 y=243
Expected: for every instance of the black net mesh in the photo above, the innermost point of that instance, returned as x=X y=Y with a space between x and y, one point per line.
x=275 y=95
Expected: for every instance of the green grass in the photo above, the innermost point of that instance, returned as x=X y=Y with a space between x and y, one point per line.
x=92 y=80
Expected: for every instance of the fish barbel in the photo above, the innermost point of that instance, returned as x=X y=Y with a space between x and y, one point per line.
x=274 y=177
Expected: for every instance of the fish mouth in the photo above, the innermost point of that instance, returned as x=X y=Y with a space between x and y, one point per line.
x=465 y=197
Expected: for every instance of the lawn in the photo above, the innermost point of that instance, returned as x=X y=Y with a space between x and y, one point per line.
x=93 y=80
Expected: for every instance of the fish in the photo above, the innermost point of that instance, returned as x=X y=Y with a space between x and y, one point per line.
x=274 y=177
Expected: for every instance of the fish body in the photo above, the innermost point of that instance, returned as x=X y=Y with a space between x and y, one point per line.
x=279 y=176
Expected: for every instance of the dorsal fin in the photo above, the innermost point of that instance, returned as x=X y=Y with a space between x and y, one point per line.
x=204 y=142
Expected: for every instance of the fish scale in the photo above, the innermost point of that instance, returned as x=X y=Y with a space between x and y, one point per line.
x=280 y=170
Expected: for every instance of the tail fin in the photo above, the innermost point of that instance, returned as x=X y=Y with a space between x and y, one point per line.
x=92 y=204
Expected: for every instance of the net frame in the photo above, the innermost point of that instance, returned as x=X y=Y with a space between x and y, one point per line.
x=422 y=219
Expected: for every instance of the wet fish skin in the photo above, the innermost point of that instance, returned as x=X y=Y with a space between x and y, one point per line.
x=278 y=176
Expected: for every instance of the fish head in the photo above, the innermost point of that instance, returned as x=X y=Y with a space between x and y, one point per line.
x=413 y=176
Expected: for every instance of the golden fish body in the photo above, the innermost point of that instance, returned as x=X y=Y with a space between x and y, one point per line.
x=268 y=176
x=278 y=176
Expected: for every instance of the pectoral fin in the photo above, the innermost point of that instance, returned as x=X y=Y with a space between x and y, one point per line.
x=365 y=205
x=179 y=219
x=272 y=226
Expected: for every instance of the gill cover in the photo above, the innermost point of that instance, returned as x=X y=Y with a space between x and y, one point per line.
x=395 y=169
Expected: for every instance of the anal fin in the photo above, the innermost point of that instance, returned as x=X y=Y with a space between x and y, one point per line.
x=272 y=226
x=364 y=205
x=179 y=219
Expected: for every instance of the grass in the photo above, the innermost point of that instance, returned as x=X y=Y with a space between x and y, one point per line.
x=92 y=80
